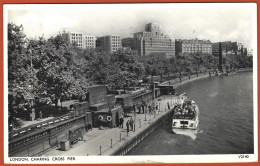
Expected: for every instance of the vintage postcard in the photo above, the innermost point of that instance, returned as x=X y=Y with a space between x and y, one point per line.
x=130 y=83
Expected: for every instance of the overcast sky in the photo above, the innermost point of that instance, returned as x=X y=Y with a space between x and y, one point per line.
x=216 y=22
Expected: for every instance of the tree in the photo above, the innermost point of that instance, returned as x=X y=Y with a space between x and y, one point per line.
x=18 y=65
x=130 y=66
x=154 y=64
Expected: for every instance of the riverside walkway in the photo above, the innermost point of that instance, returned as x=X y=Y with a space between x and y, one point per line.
x=108 y=141
x=98 y=142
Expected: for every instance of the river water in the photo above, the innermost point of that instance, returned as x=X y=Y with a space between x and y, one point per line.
x=226 y=120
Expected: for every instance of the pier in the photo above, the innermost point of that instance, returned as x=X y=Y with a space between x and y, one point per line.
x=116 y=141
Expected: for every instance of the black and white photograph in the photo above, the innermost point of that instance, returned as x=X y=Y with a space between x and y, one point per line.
x=130 y=83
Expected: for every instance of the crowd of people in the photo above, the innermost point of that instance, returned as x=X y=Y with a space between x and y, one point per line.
x=140 y=109
x=186 y=109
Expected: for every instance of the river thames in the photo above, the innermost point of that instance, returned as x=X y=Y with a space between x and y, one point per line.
x=226 y=120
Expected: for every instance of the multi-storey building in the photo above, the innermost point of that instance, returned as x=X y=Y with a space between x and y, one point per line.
x=152 y=40
x=128 y=42
x=89 y=41
x=239 y=46
x=250 y=52
x=81 y=40
x=110 y=43
x=192 y=46
x=227 y=47
x=77 y=38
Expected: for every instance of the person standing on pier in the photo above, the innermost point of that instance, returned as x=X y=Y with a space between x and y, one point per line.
x=143 y=108
x=127 y=126
x=40 y=113
x=150 y=109
x=121 y=121
x=131 y=124
x=168 y=105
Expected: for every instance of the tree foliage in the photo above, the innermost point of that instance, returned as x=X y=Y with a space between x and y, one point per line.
x=54 y=68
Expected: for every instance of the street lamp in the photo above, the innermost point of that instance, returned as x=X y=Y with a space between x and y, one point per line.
x=171 y=97
x=159 y=108
x=134 y=114
x=153 y=94
x=144 y=114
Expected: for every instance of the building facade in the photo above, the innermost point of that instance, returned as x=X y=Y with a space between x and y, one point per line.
x=81 y=40
x=250 y=52
x=128 y=42
x=227 y=47
x=153 y=40
x=110 y=43
x=89 y=41
x=192 y=46
x=77 y=38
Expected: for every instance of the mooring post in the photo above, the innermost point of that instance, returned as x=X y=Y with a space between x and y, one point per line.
x=100 y=150
x=111 y=143
x=120 y=136
x=134 y=127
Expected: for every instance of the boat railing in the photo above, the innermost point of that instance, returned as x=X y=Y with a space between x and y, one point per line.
x=185 y=116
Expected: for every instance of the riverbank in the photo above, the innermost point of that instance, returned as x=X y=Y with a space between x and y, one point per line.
x=116 y=141
x=245 y=70
x=223 y=101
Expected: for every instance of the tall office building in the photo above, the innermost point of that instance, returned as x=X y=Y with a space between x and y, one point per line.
x=192 y=46
x=110 y=43
x=153 y=40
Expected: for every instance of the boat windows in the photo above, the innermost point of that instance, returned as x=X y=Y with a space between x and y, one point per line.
x=184 y=122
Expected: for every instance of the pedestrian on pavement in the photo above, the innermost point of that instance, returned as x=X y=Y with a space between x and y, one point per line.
x=168 y=105
x=122 y=121
x=138 y=108
x=134 y=107
x=131 y=123
x=156 y=107
x=127 y=126
x=40 y=115
x=143 y=108
x=150 y=109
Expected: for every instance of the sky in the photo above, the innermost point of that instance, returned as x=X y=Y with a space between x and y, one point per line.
x=213 y=21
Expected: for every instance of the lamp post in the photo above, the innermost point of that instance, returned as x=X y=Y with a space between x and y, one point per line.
x=171 y=97
x=153 y=94
x=159 y=108
x=134 y=114
x=144 y=114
